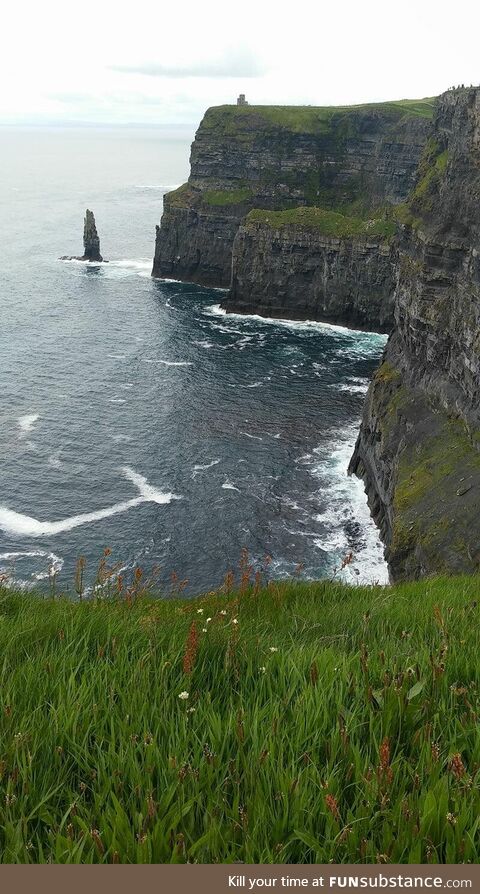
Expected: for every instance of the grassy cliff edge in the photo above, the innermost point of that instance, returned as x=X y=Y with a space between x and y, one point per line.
x=301 y=722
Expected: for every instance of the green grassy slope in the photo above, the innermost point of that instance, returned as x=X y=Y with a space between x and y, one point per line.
x=322 y=723
x=328 y=223
x=308 y=119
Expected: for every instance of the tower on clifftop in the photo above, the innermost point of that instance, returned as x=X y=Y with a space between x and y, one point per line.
x=241 y=101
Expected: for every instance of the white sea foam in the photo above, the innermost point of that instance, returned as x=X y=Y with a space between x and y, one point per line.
x=53 y=563
x=54 y=459
x=26 y=423
x=347 y=505
x=116 y=400
x=17 y=524
x=254 y=437
x=301 y=325
x=200 y=468
x=352 y=388
x=227 y=485
x=169 y=362
x=117 y=268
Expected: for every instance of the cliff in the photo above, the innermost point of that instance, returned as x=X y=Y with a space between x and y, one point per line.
x=316 y=265
x=418 y=446
x=356 y=161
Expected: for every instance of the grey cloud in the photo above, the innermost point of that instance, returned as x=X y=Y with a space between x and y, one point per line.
x=234 y=64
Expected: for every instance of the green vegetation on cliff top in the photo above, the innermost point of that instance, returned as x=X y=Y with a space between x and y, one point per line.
x=309 y=119
x=301 y=722
x=328 y=223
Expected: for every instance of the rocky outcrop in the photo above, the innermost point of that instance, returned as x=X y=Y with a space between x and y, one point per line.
x=91 y=241
x=418 y=448
x=356 y=160
x=296 y=271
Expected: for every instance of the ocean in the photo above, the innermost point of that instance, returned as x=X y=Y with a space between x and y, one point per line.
x=135 y=415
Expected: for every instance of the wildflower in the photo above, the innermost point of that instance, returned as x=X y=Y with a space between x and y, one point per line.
x=456 y=766
x=184 y=695
x=451 y=818
x=208 y=620
x=95 y=833
x=191 y=649
x=273 y=649
x=332 y=805
x=385 y=771
x=204 y=629
x=199 y=611
x=223 y=612
x=191 y=710
x=262 y=670
x=234 y=621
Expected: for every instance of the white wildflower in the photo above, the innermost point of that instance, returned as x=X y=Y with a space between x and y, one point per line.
x=234 y=621
x=273 y=649
x=199 y=611
x=223 y=612
x=183 y=695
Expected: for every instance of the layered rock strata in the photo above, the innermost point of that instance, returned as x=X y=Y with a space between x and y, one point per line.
x=296 y=271
x=418 y=448
x=356 y=161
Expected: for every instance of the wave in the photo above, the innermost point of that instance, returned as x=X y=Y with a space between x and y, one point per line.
x=254 y=437
x=26 y=423
x=169 y=362
x=352 y=388
x=17 y=524
x=200 y=468
x=18 y=558
x=117 y=268
x=54 y=459
x=347 y=523
x=227 y=485
x=300 y=325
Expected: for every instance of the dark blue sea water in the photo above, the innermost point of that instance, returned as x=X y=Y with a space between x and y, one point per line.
x=134 y=414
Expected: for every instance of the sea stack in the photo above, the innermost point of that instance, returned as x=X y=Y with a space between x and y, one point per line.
x=91 y=242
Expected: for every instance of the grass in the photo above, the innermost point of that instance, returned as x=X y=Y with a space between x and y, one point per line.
x=309 y=119
x=431 y=170
x=222 y=197
x=299 y=722
x=328 y=223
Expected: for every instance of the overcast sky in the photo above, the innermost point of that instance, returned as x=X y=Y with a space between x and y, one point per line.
x=160 y=62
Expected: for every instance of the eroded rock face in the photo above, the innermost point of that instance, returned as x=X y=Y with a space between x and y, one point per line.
x=277 y=158
x=91 y=242
x=418 y=445
x=298 y=273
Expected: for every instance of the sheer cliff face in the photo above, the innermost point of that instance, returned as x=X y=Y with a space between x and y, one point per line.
x=355 y=161
x=418 y=445
x=297 y=272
